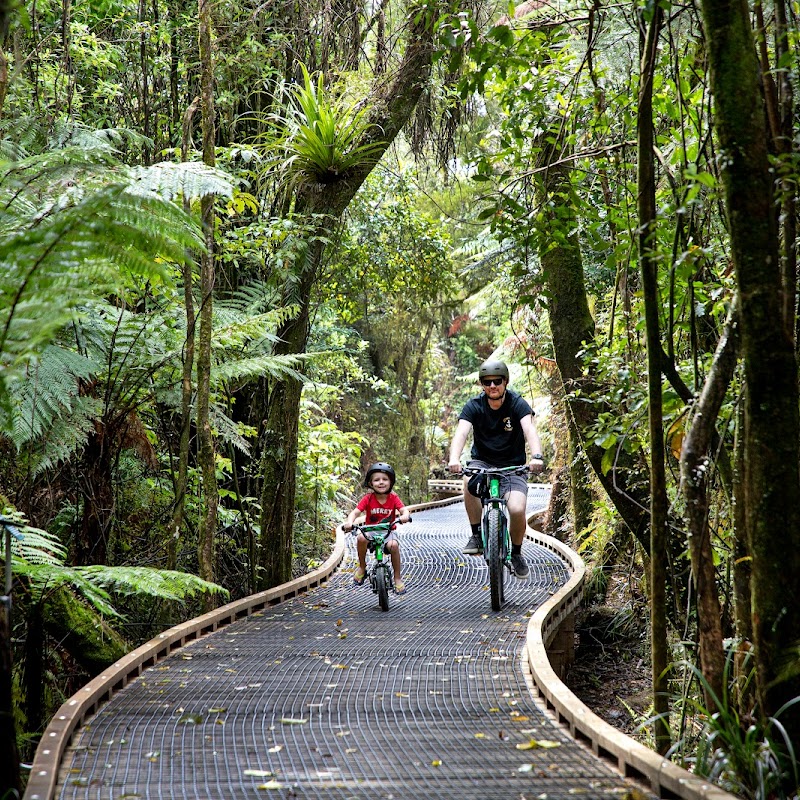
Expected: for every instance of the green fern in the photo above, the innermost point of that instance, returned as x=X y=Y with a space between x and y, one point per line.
x=275 y=366
x=49 y=390
x=39 y=557
x=77 y=225
x=161 y=583
x=33 y=546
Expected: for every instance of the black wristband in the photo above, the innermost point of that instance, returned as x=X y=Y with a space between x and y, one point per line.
x=537 y=456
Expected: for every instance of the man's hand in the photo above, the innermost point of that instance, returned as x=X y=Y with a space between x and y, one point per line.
x=537 y=465
x=455 y=467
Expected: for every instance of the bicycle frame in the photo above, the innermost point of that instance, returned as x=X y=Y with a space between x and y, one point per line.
x=495 y=528
x=381 y=574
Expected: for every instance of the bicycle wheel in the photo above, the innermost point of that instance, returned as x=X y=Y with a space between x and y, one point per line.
x=494 y=556
x=381 y=583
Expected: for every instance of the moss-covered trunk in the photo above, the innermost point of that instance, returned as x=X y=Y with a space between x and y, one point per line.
x=771 y=424
x=648 y=263
x=91 y=641
x=572 y=327
x=206 y=449
x=392 y=105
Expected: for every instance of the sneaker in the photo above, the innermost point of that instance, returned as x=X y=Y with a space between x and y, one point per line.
x=519 y=565
x=474 y=547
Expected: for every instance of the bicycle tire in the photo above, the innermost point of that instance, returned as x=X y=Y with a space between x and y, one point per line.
x=494 y=556
x=382 y=588
x=505 y=553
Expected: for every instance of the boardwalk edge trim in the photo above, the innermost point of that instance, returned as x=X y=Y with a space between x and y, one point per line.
x=628 y=756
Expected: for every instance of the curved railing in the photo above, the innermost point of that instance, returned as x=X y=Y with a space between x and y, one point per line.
x=630 y=757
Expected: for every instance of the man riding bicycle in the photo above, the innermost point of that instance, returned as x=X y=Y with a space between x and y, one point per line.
x=501 y=422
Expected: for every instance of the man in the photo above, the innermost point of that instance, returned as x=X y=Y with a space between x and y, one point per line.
x=501 y=422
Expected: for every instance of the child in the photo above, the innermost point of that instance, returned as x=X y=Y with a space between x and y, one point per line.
x=379 y=505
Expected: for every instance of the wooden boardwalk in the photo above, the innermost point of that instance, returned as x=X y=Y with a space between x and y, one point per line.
x=325 y=696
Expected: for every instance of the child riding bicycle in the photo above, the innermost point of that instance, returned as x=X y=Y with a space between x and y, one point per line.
x=381 y=504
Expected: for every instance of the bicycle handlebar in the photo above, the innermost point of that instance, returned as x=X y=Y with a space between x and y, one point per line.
x=521 y=469
x=378 y=526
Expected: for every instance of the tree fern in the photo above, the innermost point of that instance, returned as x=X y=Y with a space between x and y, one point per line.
x=39 y=557
x=111 y=362
x=164 y=584
x=275 y=366
x=50 y=390
x=75 y=226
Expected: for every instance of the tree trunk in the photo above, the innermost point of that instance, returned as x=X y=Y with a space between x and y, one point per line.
x=34 y=670
x=695 y=468
x=91 y=546
x=187 y=386
x=206 y=454
x=772 y=427
x=91 y=641
x=572 y=327
x=648 y=262
x=391 y=106
x=10 y=784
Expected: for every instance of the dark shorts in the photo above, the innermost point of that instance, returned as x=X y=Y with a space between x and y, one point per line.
x=508 y=483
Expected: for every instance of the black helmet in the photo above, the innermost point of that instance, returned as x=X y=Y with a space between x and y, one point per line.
x=493 y=367
x=380 y=466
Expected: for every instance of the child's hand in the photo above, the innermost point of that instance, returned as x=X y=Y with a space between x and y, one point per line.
x=347 y=527
x=404 y=518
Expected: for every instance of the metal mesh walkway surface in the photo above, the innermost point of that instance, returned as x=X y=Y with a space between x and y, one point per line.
x=326 y=696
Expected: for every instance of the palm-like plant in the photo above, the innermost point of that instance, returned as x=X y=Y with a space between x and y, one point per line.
x=322 y=135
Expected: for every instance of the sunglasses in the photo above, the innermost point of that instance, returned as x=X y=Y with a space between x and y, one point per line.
x=492 y=381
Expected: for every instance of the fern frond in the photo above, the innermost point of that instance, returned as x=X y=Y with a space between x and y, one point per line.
x=228 y=430
x=162 y=583
x=65 y=436
x=191 y=180
x=237 y=331
x=35 y=546
x=49 y=390
x=274 y=366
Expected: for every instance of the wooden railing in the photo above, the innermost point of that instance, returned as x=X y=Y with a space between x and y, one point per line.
x=550 y=637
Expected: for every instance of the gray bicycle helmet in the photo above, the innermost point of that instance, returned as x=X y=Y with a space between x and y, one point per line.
x=380 y=466
x=493 y=367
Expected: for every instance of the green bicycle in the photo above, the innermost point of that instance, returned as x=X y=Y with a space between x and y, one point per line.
x=494 y=527
x=381 y=575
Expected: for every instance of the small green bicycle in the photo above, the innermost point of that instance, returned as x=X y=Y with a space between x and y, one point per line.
x=494 y=527
x=381 y=575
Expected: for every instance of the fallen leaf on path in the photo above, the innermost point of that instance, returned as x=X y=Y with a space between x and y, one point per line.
x=533 y=744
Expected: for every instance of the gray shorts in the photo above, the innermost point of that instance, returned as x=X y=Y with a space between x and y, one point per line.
x=508 y=483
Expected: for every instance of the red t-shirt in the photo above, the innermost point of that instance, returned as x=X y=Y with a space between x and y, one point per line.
x=377 y=513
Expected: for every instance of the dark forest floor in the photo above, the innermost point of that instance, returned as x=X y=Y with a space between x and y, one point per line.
x=611 y=671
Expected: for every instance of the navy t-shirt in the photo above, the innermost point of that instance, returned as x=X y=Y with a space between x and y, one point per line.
x=497 y=435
